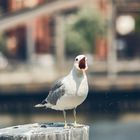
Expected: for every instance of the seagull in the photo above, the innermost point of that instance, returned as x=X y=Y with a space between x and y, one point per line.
x=70 y=91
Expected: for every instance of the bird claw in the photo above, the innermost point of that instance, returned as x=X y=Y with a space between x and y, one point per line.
x=77 y=125
x=67 y=127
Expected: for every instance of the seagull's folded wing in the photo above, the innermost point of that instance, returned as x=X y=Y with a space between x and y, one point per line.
x=57 y=91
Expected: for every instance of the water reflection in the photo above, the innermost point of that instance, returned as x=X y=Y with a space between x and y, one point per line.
x=111 y=115
x=102 y=126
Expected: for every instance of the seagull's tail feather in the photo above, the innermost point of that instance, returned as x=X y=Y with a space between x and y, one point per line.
x=40 y=105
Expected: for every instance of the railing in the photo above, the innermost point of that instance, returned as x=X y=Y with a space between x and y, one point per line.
x=11 y=20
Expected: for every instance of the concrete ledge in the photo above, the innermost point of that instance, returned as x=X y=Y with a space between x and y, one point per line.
x=45 y=131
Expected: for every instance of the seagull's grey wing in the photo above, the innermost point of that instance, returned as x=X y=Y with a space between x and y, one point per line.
x=56 y=92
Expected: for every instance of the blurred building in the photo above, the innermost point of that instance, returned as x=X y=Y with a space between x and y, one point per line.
x=124 y=28
x=128 y=28
x=16 y=42
x=122 y=18
x=44 y=34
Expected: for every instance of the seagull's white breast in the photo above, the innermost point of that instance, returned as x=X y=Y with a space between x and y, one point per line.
x=76 y=91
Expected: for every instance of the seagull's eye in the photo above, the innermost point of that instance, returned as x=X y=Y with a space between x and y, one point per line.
x=76 y=59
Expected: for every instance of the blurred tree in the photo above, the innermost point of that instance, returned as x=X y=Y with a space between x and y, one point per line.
x=2 y=44
x=137 y=24
x=81 y=32
x=75 y=43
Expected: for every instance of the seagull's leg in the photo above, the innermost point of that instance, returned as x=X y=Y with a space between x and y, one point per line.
x=75 y=122
x=64 y=113
x=74 y=114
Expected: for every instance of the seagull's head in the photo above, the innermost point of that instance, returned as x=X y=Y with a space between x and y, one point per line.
x=80 y=63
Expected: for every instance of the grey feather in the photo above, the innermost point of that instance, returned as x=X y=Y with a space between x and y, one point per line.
x=57 y=91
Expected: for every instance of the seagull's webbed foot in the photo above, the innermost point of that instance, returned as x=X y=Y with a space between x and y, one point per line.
x=65 y=125
x=77 y=125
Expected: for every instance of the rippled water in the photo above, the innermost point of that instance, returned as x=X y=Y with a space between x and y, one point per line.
x=111 y=116
x=102 y=127
x=115 y=131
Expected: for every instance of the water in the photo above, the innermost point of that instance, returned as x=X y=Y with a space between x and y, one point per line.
x=115 y=131
x=111 y=116
x=102 y=126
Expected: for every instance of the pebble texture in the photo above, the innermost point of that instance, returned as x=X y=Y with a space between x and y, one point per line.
x=45 y=131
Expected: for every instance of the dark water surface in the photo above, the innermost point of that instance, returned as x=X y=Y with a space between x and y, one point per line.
x=115 y=131
x=112 y=115
x=102 y=127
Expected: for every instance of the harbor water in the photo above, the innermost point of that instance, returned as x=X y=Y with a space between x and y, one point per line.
x=110 y=115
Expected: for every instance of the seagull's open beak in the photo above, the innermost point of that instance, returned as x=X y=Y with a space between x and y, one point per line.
x=82 y=63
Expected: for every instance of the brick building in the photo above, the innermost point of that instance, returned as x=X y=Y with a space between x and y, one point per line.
x=16 y=43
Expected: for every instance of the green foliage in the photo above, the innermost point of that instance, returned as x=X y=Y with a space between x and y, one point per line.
x=137 y=25
x=2 y=44
x=75 y=43
x=81 y=34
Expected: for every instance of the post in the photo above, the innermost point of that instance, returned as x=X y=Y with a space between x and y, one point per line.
x=45 y=131
x=30 y=38
x=60 y=41
x=112 y=52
